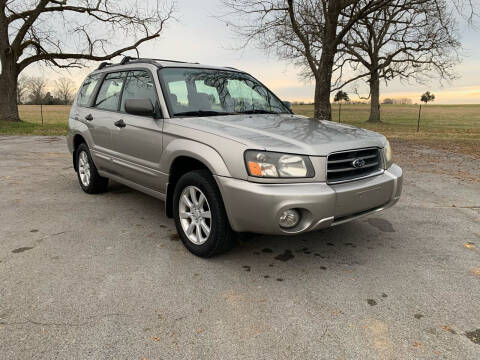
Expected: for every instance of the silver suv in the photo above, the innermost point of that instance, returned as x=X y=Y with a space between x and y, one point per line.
x=224 y=153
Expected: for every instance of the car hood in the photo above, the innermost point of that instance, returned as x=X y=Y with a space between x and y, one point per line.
x=286 y=133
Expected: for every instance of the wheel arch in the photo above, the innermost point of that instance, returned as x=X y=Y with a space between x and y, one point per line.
x=180 y=166
x=182 y=156
x=77 y=140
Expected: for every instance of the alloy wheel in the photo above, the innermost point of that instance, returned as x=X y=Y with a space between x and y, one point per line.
x=84 y=168
x=195 y=215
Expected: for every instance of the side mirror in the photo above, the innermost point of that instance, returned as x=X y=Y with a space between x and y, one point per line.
x=141 y=107
x=288 y=104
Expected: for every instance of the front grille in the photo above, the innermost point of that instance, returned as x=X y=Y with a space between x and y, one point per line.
x=340 y=166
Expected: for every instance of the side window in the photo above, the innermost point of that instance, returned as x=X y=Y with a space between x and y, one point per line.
x=109 y=93
x=85 y=92
x=139 y=85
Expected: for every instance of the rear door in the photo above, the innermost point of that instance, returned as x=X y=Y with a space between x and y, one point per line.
x=100 y=138
x=138 y=143
x=102 y=116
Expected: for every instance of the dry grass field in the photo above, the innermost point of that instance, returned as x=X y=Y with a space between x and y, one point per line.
x=453 y=127
x=450 y=127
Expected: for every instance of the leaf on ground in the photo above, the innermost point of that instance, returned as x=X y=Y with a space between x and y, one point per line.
x=475 y=271
x=448 y=328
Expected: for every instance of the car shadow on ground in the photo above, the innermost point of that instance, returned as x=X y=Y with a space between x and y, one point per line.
x=342 y=247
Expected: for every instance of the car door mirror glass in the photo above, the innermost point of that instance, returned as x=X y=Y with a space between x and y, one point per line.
x=288 y=104
x=141 y=107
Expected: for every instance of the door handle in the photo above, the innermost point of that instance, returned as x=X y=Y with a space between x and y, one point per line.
x=120 y=123
x=89 y=117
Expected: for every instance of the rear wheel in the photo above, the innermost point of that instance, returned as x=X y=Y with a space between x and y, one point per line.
x=200 y=215
x=90 y=181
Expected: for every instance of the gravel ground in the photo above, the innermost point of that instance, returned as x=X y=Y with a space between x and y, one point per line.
x=105 y=277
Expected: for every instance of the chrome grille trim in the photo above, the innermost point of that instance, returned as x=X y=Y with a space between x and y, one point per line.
x=340 y=167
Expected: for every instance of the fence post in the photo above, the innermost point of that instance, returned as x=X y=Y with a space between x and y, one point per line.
x=339 y=113
x=41 y=111
x=418 y=122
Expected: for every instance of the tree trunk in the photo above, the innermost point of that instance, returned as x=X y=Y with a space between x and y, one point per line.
x=323 y=108
x=8 y=76
x=8 y=89
x=323 y=78
x=374 y=98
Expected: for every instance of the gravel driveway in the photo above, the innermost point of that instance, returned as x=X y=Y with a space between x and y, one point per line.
x=105 y=277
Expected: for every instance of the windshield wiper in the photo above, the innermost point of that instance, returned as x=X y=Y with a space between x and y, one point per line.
x=258 y=111
x=202 y=113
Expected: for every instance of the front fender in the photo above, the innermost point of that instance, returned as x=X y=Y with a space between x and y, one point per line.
x=196 y=150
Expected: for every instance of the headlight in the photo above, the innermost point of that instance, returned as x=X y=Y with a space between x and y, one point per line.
x=278 y=165
x=388 y=155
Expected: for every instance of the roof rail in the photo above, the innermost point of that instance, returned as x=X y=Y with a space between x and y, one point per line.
x=176 y=61
x=142 y=60
x=150 y=60
x=129 y=59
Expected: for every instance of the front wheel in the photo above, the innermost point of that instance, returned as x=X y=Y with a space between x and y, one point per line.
x=200 y=215
x=90 y=181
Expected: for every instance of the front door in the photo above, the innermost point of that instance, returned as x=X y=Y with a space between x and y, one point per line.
x=138 y=141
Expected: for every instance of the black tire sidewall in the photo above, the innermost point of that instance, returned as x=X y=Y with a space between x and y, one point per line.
x=97 y=183
x=220 y=228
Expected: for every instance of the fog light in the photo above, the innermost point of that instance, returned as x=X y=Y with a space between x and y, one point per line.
x=289 y=218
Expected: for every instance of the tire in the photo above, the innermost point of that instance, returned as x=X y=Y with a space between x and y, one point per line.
x=220 y=236
x=90 y=181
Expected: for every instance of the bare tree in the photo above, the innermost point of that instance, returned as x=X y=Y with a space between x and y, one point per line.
x=407 y=40
x=36 y=87
x=28 y=36
x=64 y=89
x=307 y=32
x=467 y=9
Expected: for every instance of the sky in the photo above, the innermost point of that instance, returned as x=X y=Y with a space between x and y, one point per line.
x=198 y=36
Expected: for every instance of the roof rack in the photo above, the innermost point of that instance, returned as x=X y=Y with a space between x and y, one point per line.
x=132 y=60
x=103 y=64
x=175 y=61
x=128 y=59
x=125 y=60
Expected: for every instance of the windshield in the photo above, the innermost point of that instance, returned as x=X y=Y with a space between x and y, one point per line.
x=206 y=92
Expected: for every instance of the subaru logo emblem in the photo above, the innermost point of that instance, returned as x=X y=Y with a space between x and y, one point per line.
x=358 y=163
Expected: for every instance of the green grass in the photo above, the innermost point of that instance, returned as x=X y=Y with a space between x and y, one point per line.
x=28 y=128
x=441 y=125
x=55 y=121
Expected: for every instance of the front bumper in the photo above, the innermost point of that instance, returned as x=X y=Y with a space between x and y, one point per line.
x=254 y=207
